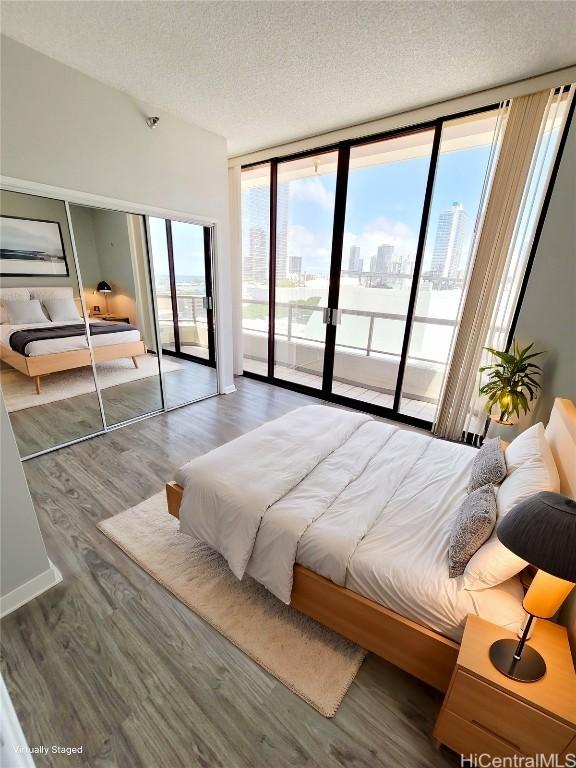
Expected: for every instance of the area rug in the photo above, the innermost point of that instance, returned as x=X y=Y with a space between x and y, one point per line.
x=311 y=660
x=19 y=391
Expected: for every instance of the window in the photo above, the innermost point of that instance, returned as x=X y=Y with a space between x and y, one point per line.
x=466 y=149
x=369 y=246
x=255 y=267
x=304 y=222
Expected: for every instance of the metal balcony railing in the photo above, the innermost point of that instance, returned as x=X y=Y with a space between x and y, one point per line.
x=292 y=308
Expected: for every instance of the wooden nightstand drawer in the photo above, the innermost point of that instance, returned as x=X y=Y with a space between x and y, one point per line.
x=508 y=719
x=469 y=738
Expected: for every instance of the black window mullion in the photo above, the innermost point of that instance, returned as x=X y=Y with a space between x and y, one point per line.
x=336 y=261
x=209 y=294
x=418 y=264
x=272 y=267
x=173 y=295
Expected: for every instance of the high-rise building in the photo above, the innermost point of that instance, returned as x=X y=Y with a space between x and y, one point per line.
x=295 y=265
x=282 y=263
x=255 y=229
x=354 y=261
x=382 y=260
x=256 y=261
x=449 y=244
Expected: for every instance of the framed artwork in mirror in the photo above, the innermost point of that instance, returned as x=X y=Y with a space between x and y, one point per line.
x=31 y=248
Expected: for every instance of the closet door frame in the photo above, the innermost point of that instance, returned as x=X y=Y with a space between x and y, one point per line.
x=74 y=197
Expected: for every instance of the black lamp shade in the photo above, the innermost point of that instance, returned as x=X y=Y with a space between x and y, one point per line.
x=542 y=530
x=103 y=287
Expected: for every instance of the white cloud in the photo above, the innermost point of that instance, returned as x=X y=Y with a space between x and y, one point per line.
x=312 y=190
x=314 y=247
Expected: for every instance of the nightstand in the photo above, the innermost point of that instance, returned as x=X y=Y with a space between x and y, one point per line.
x=485 y=712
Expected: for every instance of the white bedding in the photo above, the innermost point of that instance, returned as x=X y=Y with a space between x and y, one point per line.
x=66 y=344
x=365 y=504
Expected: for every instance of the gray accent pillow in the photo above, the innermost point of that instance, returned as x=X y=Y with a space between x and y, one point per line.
x=489 y=465
x=25 y=312
x=473 y=524
x=62 y=310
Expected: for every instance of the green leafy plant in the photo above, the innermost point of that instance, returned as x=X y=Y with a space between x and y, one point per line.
x=512 y=381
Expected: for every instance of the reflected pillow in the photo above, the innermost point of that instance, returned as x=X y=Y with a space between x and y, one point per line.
x=25 y=312
x=489 y=465
x=472 y=526
x=62 y=310
x=11 y=294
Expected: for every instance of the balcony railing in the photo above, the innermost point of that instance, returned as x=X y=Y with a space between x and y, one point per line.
x=190 y=308
x=293 y=308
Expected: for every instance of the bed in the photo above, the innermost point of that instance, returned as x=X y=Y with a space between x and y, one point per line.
x=62 y=351
x=351 y=528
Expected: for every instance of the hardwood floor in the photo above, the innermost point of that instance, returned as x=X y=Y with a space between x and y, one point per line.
x=59 y=422
x=111 y=661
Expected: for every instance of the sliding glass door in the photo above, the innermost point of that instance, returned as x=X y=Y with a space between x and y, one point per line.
x=182 y=269
x=305 y=196
x=182 y=265
x=387 y=183
x=369 y=245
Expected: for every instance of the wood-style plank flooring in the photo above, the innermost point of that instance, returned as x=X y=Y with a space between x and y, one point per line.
x=111 y=661
x=44 y=426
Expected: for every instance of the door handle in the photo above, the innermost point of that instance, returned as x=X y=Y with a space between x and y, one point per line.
x=332 y=316
x=207 y=302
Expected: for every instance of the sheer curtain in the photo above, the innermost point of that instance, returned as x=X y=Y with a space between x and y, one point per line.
x=534 y=126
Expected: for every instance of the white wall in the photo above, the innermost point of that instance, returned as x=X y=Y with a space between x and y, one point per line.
x=548 y=313
x=25 y=570
x=64 y=129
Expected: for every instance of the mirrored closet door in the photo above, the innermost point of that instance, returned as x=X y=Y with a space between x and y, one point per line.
x=46 y=372
x=113 y=259
x=85 y=294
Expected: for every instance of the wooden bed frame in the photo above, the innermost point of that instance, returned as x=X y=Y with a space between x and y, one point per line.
x=422 y=652
x=41 y=365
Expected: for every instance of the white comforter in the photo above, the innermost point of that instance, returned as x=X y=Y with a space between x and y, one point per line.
x=362 y=503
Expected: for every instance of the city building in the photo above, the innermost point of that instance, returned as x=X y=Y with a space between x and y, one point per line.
x=355 y=263
x=382 y=260
x=449 y=245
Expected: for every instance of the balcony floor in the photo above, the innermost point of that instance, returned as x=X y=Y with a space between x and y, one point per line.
x=410 y=407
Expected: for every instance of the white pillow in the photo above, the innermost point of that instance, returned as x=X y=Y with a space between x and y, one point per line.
x=11 y=294
x=62 y=310
x=531 y=469
x=25 y=312
x=492 y=564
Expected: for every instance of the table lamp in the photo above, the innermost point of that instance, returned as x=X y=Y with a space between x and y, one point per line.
x=104 y=287
x=541 y=530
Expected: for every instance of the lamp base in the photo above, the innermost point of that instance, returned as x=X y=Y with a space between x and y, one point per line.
x=529 y=668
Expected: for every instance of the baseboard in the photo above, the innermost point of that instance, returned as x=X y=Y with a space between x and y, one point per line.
x=31 y=589
x=229 y=389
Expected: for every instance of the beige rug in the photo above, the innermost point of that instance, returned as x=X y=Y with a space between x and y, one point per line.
x=19 y=391
x=314 y=662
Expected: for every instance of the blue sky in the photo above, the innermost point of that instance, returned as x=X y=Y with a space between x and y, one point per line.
x=188 y=246
x=384 y=205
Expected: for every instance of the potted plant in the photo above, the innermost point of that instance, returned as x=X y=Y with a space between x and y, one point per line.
x=512 y=382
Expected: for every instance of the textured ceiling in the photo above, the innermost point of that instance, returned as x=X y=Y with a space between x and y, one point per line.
x=261 y=73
